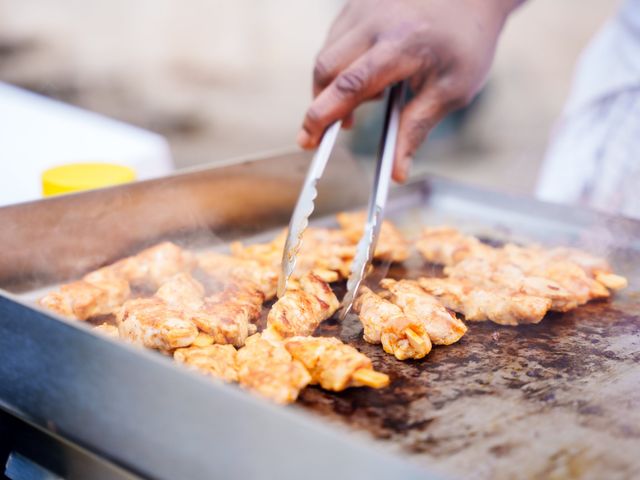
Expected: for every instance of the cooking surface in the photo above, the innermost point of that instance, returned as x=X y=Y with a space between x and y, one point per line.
x=560 y=398
x=557 y=399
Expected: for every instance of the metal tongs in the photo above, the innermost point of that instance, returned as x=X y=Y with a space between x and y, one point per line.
x=377 y=200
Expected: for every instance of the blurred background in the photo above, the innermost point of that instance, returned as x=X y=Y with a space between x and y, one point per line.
x=224 y=79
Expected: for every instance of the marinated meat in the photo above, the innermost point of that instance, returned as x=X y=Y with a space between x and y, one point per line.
x=443 y=327
x=301 y=309
x=234 y=270
x=82 y=300
x=386 y=323
x=334 y=365
x=217 y=361
x=477 y=303
x=150 y=322
x=391 y=246
x=266 y=368
x=447 y=246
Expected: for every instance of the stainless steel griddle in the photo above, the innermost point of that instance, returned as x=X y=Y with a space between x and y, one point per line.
x=559 y=398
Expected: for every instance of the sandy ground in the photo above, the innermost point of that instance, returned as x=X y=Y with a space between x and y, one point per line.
x=223 y=79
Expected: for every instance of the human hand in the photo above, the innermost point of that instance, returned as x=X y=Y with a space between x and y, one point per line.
x=444 y=49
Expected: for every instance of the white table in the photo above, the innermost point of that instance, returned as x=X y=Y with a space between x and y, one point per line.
x=37 y=133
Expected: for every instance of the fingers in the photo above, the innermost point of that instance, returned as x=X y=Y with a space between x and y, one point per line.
x=347 y=122
x=416 y=121
x=337 y=56
x=363 y=79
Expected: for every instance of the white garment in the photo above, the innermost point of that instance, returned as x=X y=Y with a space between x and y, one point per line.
x=594 y=155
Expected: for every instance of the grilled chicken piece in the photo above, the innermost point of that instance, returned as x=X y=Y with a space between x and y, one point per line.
x=391 y=246
x=203 y=340
x=268 y=254
x=499 y=305
x=488 y=271
x=384 y=322
x=301 y=309
x=228 y=315
x=82 y=300
x=591 y=264
x=268 y=369
x=569 y=275
x=182 y=291
x=443 y=327
x=227 y=269
x=327 y=253
x=333 y=364
x=218 y=361
x=150 y=268
x=107 y=329
x=103 y=291
x=225 y=316
x=447 y=246
x=150 y=322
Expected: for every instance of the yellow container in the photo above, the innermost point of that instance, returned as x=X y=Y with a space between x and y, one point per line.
x=84 y=176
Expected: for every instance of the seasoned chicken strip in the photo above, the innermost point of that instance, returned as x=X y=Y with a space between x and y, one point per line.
x=182 y=291
x=495 y=274
x=268 y=254
x=443 y=327
x=569 y=275
x=151 y=323
x=391 y=244
x=301 y=309
x=384 y=322
x=327 y=253
x=333 y=364
x=82 y=300
x=103 y=291
x=150 y=268
x=478 y=303
x=228 y=269
x=447 y=246
x=596 y=267
x=268 y=369
x=225 y=316
x=228 y=315
x=217 y=361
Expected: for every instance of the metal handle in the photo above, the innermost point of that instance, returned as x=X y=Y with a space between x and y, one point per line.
x=378 y=199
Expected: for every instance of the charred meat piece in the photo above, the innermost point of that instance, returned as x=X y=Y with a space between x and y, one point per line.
x=386 y=323
x=150 y=322
x=301 y=309
x=447 y=246
x=443 y=327
x=477 y=303
x=334 y=365
x=391 y=246
x=227 y=269
x=228 y=315
x=225 y=316
x=217 y=361
x=268 y=369
x=82 y=300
